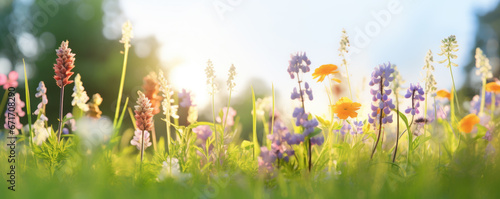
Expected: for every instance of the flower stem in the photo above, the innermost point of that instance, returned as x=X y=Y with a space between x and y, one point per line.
x=348 y=82
x=397 y=131
x=483 y=96
x=380 y=120
x=122 y=81
x=142 y=146
x=59 y=132
x=454 y=89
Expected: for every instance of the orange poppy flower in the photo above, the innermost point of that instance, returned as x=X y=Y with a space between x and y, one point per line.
x=444 y=94
x=467 y=123
x=325 y=70
x=346 y=108
x=493 y=87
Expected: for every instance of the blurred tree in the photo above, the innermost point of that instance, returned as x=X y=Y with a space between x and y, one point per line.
x=487 y=38
x=34 y=29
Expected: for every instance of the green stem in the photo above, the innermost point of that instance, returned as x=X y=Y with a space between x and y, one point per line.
x=122 y=81
x=348 y=82
x=454 y=88
x=59 y=132
x=483 y=96
x=4 y=102
x=225 y=118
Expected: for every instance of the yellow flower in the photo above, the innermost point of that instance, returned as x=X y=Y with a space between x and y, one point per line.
x=325 y=70
x=346 y=108
x=467 y=123
x=493 y=87
x=444 y=94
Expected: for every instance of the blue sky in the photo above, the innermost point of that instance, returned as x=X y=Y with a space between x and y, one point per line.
x=258 y=37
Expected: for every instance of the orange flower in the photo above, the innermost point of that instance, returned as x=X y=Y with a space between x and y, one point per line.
x=346 y=108
x=493 y=87
x=444 y=94
x=325 y=70
x=467 y=123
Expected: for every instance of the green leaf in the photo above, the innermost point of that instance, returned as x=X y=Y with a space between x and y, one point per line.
x=246 y=144
x=323 y=122
x=28 y=101
x=315 y=132
x=256 y=149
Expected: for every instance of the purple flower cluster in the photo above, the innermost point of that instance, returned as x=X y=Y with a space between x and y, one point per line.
x=298 y=62
x=185 y=98
x=266 y=160
x=382 y=104
x=281 y=141
x=415 y=92
x=475 y=103
x=355 y=128
x=42 y=93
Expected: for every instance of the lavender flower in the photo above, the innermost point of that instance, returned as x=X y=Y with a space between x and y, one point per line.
x=185 y=99
x=298 y=62
x=280 y=141
x=382 y=104
x=266 y=160
x=475 y=103
x=358 y=127
x=415 y=92
x=203 y=132
x=345 y=129
x=42 y=93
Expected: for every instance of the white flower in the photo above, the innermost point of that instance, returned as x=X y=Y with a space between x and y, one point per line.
x=137 y=141
x=192 y=114
x=92 y=131
x=430 y=81
x=41 y=133
x=230 y=79
x=171 y=169
x=483 y=65
x=448 y=47
x=344 y=45
x=210 y=72
x=79 y=95
x=263 y=104
x=168 y=109
x=126 y=33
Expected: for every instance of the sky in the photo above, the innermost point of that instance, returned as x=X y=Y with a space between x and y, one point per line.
x=259 y=36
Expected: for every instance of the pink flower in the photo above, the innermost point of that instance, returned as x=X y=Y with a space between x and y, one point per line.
x=230 y=117
x=11 y=81
x=137 y=141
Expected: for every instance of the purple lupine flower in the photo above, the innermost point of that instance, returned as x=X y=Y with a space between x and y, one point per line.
x=230 y=116
x=308 y=91
x=203 y=132
x=415 y=92
x=42 y=93
x=281 y=146
x=18 y=113
x=345 y=129
x=358 y=127
x=298 y=62
x=382 y=104
x=266 y=160
x=302 y=119
x=317 y=140
x=185 y=98
x=475 y=103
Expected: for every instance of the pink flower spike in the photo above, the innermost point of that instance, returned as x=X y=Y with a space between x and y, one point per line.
x=11 y=81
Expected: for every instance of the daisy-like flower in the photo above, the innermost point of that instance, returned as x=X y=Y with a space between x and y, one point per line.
x=443 y=94
x=493 y=87
x=325 y=70
x=467 y=123
x=345 y=108
x=9 y=81
x=137 y=141
x=79 y=95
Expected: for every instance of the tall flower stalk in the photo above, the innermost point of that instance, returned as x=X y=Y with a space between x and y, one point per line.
x=430 y=82
x=151 y=87
x=398 y=82
x=169 y=109
x=343 y=50
x=448 y=47
x=65 y=63
x=298 y=64
x=212 y=89
x=126 y=36
x=382 y=104
x=144 y=120
x=230 y=87
x=80 y=97
x=484 y=71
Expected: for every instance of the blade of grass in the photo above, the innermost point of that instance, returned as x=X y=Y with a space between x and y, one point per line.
x=122 y=81
x=256 y=149
x=131 y=113
x=28 y=102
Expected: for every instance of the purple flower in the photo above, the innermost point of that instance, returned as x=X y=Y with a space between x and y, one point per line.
x=382 y=104
x=281 y=146
x=266 y=160
x=42 y=93
x=317 y=140
x=346 y=128
x=203 y=132
x=302 y=119
x=475 y=103
x=298 y=62
x=309 y=91
x=185 y=99
x=358 y=127
x=415 y=92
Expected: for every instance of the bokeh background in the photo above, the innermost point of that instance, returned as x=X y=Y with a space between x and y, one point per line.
x=258 y=37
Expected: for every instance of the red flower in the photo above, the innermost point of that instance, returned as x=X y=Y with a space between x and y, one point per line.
x=65 y=62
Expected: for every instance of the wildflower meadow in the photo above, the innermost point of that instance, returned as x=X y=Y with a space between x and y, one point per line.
x=414 y=139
